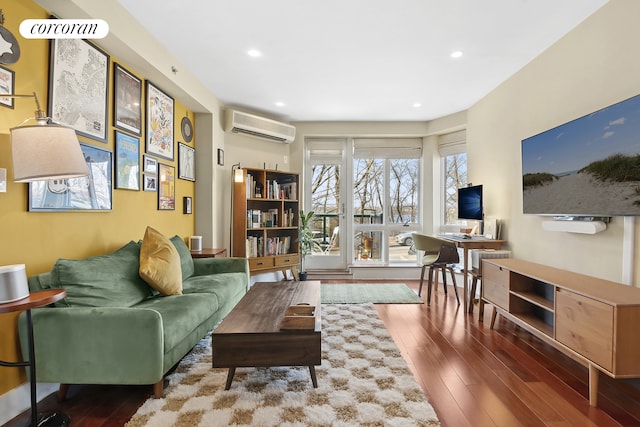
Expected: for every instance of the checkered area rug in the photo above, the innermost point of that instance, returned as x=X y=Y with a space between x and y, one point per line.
x=363 y=381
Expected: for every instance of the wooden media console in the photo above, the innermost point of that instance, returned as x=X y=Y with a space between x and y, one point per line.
x=592 y=320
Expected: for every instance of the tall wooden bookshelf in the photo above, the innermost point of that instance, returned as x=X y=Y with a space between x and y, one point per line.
x=265 y=220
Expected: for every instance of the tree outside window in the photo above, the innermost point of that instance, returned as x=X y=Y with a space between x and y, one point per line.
x=455 y=176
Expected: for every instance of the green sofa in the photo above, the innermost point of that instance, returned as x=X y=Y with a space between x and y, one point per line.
x=112 y=328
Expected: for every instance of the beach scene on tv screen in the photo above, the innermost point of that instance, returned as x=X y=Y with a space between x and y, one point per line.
x=589 y=166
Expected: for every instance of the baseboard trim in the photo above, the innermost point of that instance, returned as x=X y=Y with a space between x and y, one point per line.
x=17 y=400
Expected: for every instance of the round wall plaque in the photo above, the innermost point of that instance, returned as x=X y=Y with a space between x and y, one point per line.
x=187 y=129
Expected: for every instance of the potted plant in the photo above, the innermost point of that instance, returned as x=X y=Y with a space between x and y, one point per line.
x=305 y=240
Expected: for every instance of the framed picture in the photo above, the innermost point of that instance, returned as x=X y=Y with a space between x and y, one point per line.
x=78 y=87
x=150 y=182
x=186 y=162
x=159 y=122
x=220 y=156
x=150 y=165
x=127 y=100
x=166 y=187
x=92 y=193
x=187 y=203
x=127 y=161
x=7 y=85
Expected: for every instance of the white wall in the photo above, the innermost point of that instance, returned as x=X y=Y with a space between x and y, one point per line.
x=592 y=67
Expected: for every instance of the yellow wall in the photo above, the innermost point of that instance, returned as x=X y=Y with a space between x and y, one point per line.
x=38 y=239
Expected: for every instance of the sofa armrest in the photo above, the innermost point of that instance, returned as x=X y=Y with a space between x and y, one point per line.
x=206 y=266
x=96 y=345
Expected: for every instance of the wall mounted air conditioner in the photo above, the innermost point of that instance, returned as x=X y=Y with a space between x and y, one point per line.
x=259 y=127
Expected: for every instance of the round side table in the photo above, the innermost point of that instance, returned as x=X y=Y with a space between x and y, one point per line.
x=35 y=300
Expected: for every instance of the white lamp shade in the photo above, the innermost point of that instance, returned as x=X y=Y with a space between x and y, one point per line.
x=238 y=175
x=42 y=152
x=13 y=283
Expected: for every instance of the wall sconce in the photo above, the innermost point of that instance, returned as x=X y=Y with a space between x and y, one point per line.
x=45 y=150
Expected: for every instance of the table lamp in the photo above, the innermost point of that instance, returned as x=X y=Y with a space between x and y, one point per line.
x=13 y=283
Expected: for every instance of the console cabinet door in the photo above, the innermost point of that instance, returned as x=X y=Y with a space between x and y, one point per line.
x=495 y=285
x=585 y=326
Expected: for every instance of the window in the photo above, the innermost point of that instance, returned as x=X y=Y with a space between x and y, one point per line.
x=386 y=199
x=455 y=176
x=366 y=196
x=452 y=148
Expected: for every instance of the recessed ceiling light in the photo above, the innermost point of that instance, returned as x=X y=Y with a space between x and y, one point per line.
x=456 y=54
x=280 y=104
x=254 y=53
x=417 y=104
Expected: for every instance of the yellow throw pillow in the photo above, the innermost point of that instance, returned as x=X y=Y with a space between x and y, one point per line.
x=160 y=263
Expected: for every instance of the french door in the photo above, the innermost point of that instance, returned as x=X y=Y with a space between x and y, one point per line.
x=325 y=189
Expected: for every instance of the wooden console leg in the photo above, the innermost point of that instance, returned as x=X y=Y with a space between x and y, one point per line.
x=232 y=372
x=314 y=379
x=158 y=389
x=494 y=314
x=62 y=392
x=593 y=385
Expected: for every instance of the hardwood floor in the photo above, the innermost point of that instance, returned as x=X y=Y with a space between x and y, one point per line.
x=472 y=375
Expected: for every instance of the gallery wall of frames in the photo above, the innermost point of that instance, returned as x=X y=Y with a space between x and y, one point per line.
x=138 y=141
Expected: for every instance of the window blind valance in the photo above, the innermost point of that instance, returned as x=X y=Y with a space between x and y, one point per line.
x=452 y=143
x=387 y=148
x=319 y=148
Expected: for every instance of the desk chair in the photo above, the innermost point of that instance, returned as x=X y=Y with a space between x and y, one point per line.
x=439 y=254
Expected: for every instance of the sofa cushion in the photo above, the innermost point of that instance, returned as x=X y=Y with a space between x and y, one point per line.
x=160 y=263
x=186 y=261
x=226 y=286
x=109 y=280
x=181 y=314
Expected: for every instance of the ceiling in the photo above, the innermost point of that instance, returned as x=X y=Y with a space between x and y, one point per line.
x=356 y=60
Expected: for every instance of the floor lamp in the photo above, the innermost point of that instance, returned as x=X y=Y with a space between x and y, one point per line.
x=41 y=152
x=236 y=176
x=45 y=150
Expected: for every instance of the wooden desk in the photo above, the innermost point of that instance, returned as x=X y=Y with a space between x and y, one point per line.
x=210 y=253
x=34 y=300
x=475 y=242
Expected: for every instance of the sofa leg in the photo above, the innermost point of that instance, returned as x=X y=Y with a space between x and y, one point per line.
x=62 y=392
x=158 y=389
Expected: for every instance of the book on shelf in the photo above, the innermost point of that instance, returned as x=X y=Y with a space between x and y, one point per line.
x=254 y=218
x=278 y=245
x=262 y=219
x=249 y=186
x=259 y=247
x=288 y=217
x=254 y=247
x=253 y=188
x=289 y=191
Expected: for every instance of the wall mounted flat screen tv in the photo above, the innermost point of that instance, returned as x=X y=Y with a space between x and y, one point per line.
x=470 y=202
x=587 y=167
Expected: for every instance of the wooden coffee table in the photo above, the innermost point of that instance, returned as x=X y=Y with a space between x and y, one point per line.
x=250 y=336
